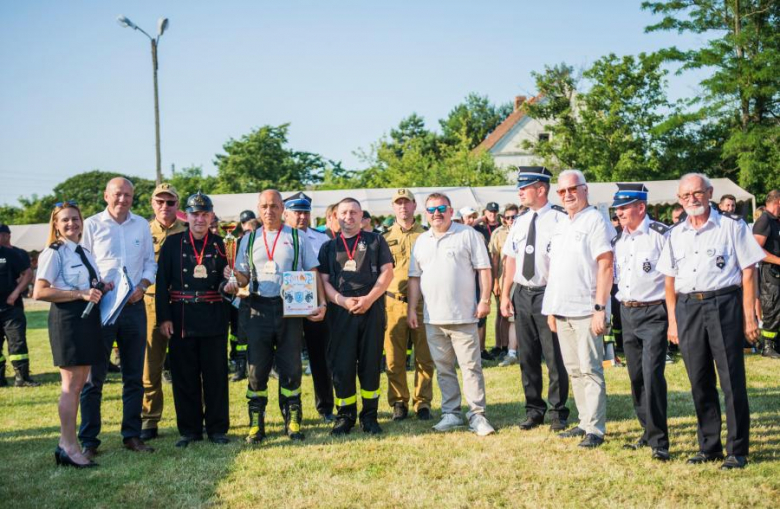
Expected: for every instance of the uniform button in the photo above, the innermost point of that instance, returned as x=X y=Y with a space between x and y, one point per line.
x=186 y=285
x=694 y=270
x=184 y=270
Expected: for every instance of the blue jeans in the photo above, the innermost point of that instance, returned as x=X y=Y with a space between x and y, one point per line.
x=129 y=332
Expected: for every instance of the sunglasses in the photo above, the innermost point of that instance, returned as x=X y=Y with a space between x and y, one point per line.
x=441 y=208
x=170 y=203
x=569 y=190
x=61 y=204
x=510 y=217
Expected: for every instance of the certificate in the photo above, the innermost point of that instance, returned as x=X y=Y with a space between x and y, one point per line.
x=299 y=293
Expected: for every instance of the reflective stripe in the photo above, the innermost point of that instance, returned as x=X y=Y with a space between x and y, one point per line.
x=768 y=334
x=369 y=394
x=609 y=339
x=2 y=358
x=19 y=357
x=114 y=345
x=240 y=348
x=290 y=393
x=232 y=338
x=352 y=400
x=256 y=394
x=617 y=331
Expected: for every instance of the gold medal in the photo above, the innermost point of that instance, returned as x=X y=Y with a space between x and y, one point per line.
x=350 y=266
x=200 y=272
x=269 y=267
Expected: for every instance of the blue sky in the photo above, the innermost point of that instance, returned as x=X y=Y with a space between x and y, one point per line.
x=76 y=88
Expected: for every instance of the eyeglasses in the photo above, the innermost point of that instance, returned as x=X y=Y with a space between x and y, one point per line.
x=61 y=204
x=698 y=195
x=510 y=218
x=170 y=203
x=569 y=190
x=441 y=208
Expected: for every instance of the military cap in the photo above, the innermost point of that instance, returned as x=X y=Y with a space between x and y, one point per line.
x=527 y=175
x=403 y=193
x=298 y=204
x=165 y=188
x=629 y=192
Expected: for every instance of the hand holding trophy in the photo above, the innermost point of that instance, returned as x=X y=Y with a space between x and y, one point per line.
x=231 y=246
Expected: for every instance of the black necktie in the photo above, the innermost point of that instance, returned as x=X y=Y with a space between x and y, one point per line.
x=92 y=274
x=529 y=259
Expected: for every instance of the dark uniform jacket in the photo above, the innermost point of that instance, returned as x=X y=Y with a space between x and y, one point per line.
x=194 y=305
x=12 y=264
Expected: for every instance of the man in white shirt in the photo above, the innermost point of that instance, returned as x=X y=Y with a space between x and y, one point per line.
x=119 y=240
x=643 y=310
x=576 y=302
x=442 y=268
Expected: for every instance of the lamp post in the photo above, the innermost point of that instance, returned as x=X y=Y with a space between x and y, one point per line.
x=162 y=25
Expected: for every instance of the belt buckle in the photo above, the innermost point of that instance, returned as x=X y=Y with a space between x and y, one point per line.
x=697 y=295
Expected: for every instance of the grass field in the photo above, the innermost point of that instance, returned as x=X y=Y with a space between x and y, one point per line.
x=408 y=466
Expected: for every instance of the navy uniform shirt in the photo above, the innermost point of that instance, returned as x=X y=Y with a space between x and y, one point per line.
x=371 y=253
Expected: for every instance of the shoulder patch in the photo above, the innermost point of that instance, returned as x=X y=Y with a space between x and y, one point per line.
x=659 y=227
x=558 y=208
x=735 y=217
x=55 y=245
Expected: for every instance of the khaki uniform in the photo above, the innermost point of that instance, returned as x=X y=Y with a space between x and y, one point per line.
x=156 y=343
x=398 y=332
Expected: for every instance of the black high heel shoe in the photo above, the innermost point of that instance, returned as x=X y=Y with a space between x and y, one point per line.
x=63 y=460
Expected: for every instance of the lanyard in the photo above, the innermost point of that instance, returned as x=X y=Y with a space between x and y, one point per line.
x=199 y=258
x=273 y=249
x=351 y=255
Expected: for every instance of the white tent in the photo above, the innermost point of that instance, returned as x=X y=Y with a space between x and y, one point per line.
x=377 y=201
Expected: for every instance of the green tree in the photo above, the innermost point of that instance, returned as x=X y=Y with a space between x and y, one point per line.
x=190 y=180
x=412 y=131
x=261 y=160
x=476 y=117
x=743 y=92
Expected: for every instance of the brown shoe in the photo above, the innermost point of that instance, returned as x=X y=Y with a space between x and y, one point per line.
x=135 y=444
x=89 y=452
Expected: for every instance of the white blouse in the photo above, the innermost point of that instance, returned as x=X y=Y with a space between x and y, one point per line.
x=63 y=268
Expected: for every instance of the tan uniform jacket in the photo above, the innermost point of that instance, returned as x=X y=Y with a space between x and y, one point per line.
x=159 y=234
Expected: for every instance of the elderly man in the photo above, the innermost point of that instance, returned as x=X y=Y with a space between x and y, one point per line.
x=165 y=204
x=119 y=240
x=263 y=256
x=297 y=213
x=445 y=262
x=15 y=277
x=709 y=262
x=528 y=266
x=401 y=238
x=576 y=302
x=642 y=307
x=767 y=233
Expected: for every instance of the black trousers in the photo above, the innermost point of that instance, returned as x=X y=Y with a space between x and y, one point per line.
x=769 y=291
x=356 y=349
x=534 y=339
x=645 y=346
x=273 y=339
x=317 y=338
x=200 y=384
x=14 y=324
x=710 y=331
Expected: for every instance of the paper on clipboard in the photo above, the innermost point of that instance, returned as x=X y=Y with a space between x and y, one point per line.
x=113 y=302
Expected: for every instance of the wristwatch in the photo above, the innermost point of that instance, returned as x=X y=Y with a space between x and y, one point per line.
x=599 y=307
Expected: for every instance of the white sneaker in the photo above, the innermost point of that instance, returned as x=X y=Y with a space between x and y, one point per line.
x=448 y=422
x=508 y=361
x=480 y=425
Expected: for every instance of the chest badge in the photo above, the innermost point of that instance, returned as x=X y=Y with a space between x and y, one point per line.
x=720 y=262
x=646 y=266
x=362 y=246
x=710 y=252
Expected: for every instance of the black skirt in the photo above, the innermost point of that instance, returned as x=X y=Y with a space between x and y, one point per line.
x=75 y=341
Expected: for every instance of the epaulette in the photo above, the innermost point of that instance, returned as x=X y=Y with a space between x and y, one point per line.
x=55 y=245
x=616 y=238
x=659 y=227
x=559 y=208
x=735 y=217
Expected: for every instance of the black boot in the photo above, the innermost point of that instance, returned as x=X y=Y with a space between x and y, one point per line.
x=3 y=381
x=23 y=377
x=770 y=349
x=256 y=424
x=293 y=417
x=345 y=420
x=240 y=373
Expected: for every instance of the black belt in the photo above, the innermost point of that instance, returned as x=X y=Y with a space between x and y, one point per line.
x=637 y=304
x=195 y=296
x=397 y=296
x=268 y=300
x=708 y=295
x=531 y=289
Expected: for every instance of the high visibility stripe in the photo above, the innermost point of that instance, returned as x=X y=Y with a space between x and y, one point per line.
x=609 y=339
x=617 y=331
x=256 y=394
x=409 y=352
x=18 y=357
x=369 y=394
x=241 y=348
x=352 y=400
x=2 y=358
x=114 y=345
x=232 y=338
x=768 y=334
x=290 y=393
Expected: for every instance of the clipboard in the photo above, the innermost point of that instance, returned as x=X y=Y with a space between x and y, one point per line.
x=112 y=303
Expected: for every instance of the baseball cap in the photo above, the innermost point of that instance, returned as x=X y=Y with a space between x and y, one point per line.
x=247 y=215
x=366 y=214
x=467 y=211
x=165 y=188
x=492 y=207
x=4 y=228
x=403 y=193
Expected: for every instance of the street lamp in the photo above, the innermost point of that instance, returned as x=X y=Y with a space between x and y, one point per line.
x=162 y=25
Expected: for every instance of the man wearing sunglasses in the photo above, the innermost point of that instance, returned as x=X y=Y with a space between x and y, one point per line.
x=444 y=261
x=528 y=266
x=165 y=223
x=709 y=263
x=577 y=302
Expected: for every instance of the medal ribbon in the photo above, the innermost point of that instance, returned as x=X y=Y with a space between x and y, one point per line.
x=199 y=258
x=351 y=255
x=273 y=249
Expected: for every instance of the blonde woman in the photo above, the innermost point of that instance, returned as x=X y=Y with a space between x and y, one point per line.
x=67 y=277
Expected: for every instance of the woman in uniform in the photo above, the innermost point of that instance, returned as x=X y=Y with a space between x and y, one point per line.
x=68 y=277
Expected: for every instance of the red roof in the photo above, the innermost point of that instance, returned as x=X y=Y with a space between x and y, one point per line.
x=504 y=127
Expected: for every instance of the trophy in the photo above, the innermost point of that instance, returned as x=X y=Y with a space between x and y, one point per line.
x=231 y=246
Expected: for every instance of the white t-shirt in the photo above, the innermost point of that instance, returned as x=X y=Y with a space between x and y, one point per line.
x=446 y=267
x=575 y=245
